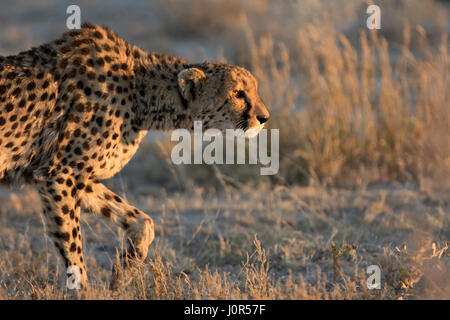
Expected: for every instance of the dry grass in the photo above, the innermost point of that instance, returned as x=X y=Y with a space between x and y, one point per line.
x=349 y=114
x=271 y=244
x=367 y=119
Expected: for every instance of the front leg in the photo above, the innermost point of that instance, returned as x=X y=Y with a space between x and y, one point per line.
x=61 y=211
x=138 y=226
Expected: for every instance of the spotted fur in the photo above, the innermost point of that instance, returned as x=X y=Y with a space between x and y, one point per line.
x=73 y=111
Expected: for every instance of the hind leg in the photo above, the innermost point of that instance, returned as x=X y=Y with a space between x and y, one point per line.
x=61 y=210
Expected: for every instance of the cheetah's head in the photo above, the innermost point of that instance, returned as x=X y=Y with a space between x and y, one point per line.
x=223 y=97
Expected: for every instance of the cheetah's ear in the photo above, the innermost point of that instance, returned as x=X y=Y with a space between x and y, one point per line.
x=189 y=82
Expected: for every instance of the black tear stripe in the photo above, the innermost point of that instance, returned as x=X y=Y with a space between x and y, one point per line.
x=243 y=122
x=248 y=107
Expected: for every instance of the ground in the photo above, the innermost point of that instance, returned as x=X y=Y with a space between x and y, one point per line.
x=266 y=244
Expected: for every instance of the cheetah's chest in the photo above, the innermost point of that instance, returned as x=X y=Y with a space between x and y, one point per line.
x=114 y=154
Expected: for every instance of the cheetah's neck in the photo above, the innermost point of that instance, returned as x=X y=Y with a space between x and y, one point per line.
x=159 y=104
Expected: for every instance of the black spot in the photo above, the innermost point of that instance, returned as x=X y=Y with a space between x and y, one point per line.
x=63 y=64
x=16 y=92
x=11 y=75
x=59 y=221
x=65 y=209
x=98 y=35
x=9 y=107
x=79 y=107
x=64 y=235
x=100 y=62
x=106 y=212
x=80 y=186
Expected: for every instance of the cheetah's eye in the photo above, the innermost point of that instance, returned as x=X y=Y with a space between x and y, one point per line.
x=239 y=94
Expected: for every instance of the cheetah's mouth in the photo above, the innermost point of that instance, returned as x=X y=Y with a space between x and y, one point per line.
x=248 y=132
x=238 y=131
x=253 y=132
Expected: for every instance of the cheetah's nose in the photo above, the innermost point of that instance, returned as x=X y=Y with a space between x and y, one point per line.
x=262 y=119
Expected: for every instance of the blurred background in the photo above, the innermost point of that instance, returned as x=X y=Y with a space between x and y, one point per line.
x=364 y=119
x=355 y=107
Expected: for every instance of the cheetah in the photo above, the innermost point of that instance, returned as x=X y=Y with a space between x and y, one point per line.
x=73 y=112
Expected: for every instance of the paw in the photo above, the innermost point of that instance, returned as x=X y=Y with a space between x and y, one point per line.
x=140 y=235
